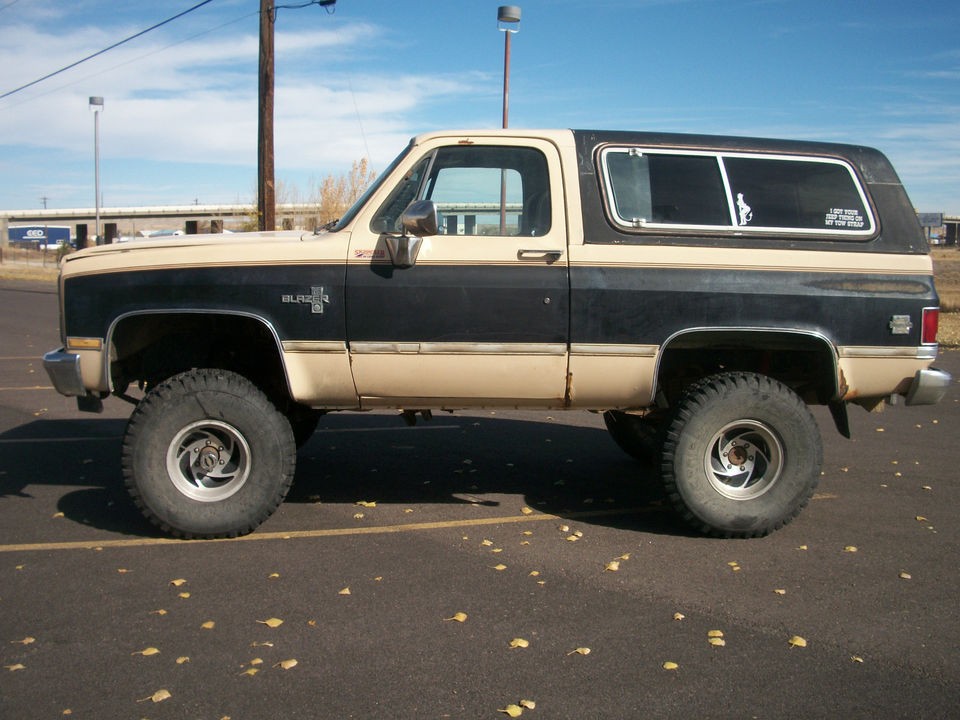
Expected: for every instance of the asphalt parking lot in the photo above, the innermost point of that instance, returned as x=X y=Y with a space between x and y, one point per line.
x=459 y=567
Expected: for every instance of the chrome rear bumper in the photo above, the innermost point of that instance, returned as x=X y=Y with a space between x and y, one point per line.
x=928 y=387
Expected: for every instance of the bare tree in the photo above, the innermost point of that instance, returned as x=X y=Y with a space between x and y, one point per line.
x=337 y=193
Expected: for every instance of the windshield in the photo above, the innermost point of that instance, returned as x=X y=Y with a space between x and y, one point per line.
x=361 y=201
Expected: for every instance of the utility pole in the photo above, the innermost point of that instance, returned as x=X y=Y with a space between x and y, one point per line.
x=266 y=191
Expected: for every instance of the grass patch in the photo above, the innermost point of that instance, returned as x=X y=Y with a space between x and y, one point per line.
x=946 y=274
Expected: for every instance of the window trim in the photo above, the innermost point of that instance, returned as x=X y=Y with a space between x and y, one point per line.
x=636 y=225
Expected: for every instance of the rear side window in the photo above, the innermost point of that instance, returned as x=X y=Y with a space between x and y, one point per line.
x=746 y=193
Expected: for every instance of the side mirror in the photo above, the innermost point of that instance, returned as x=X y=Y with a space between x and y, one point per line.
x=418 y=220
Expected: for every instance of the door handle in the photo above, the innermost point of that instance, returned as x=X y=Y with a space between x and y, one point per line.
x=549 y=252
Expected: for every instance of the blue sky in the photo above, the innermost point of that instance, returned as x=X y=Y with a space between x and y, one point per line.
x=180 y=118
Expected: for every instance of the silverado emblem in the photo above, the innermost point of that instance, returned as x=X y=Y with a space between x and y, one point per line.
x=315 y=300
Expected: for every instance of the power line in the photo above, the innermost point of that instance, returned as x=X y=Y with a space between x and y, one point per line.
x=106 y=49
x=129 y=61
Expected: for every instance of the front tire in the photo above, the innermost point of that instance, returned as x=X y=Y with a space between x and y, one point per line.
x=207 y=455
x=742 y=455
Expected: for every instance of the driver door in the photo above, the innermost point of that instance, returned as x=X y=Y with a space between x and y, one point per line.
x=482 y=315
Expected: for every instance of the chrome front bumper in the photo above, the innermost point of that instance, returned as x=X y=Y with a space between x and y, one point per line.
x=928 y=387
x=64 y=371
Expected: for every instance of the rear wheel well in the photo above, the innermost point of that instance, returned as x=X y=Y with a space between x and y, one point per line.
x=804 y=363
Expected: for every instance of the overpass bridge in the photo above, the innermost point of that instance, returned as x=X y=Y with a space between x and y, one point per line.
x=128 y=221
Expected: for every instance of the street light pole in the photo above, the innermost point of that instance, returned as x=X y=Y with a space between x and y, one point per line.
x=508 y=22
x=96 y=105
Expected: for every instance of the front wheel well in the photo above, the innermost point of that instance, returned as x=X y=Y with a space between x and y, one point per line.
x=148 y=349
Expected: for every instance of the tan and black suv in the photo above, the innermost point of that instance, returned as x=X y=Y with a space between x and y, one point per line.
x=700 y=292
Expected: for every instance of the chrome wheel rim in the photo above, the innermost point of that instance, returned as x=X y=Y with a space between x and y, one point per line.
x=208 y=461
x=743 y=460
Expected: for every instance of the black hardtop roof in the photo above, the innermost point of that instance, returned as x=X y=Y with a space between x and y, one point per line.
x=871 y=163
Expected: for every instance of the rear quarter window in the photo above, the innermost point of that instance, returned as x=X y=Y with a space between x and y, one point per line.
x=657 y=189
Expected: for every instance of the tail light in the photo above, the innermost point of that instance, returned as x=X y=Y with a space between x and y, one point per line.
x=931 y=320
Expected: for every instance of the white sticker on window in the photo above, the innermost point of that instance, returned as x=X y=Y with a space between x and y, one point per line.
x=746 y=212
x=844 y=218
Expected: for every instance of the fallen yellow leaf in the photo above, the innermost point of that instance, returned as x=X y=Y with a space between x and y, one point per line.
x=182 y=659
x=511 y=710
x=272 y=622
x=780 y=591
x=147 y=652
x=250 y=671
x=528 y=704
x=715 y=634
x=499 y=567
x=366 y=503
x=178 y=582
x=670 y=665
x=458 y=617
x=257 y=661
x=612 y=566
x=345 y=591
x=717 y=641
x=580 y=651
x=678 y=616
x=519 y=643
x=14 y=668
x=25 y=641
x=797 y=641
x=183 y=595
x=161 y=611
x=850 y=549
x=905 y=576
x=287 y=664
x=526 y=511
x=209 y=625
x=158 y=696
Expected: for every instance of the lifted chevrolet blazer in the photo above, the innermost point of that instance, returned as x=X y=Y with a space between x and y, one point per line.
x=700 y=292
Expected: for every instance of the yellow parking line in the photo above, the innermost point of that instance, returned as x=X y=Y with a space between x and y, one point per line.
x=32 y=387
x=330 y=532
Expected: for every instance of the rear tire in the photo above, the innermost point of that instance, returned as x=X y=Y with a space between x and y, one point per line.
x=742 y=456
x=207 y=455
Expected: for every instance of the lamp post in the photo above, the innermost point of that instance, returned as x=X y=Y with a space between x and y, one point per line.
x=96 y=105
x=508 y=22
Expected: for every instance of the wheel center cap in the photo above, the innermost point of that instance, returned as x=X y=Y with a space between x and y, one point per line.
x=209 y=458
x=737 y=456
